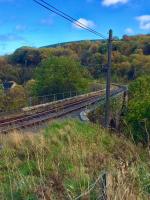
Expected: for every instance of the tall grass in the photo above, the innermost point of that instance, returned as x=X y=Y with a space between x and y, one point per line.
x=63 y=160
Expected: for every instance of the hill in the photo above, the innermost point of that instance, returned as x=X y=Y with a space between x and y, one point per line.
x=131 y=58
x=64 y=159
x=62 y=44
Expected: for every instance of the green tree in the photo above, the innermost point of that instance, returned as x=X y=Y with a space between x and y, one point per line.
x=138 y=116
x=56 y=75
x=29 y=87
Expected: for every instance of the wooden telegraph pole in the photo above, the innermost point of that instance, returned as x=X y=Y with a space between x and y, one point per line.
x=107 y=105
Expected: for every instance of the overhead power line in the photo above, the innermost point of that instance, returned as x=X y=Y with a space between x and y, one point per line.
x=75 y=20
x=62 y=14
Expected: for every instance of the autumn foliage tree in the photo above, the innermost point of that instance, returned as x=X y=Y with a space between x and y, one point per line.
x=14 y=99
x=130 y=58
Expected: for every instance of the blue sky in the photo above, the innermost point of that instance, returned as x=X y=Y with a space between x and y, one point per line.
x=24 y=23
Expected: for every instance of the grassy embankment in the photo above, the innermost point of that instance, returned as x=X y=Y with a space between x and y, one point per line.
x=65 y=158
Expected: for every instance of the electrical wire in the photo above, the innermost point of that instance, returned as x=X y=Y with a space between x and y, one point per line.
x=75 y=20
x=67 y=17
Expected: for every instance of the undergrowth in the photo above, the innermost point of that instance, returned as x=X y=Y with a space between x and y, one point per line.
x=62 y=161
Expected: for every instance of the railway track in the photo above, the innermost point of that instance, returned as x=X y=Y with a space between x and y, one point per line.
x=41 y=108
x=56 y=110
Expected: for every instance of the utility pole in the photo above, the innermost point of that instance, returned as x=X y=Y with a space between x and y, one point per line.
x=107 y=105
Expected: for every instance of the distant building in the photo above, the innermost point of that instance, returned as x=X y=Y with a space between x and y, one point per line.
x=7 y=85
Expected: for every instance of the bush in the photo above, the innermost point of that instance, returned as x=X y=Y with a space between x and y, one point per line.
x=138 y=116
x=13 y=99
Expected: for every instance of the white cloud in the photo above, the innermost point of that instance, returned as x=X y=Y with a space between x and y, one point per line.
x=129 y=31
x=113 y=2
x=85 y=22
x=144 y=21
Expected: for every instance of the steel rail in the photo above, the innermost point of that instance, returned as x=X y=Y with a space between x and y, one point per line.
x=48 y=105
x=41 y=118
x=59 y=109
x=53 y=110
x=55 y=106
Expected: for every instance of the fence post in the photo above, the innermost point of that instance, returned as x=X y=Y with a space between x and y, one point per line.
x=103 y=187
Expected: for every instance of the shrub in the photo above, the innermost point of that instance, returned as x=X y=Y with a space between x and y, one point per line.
x=138 y=115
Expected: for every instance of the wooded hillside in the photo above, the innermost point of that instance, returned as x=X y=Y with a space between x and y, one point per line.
x=131 y=58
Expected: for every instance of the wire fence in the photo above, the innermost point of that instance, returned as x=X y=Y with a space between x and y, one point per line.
x=96 y=191
x=48 y=98
x=37 y=100
x=12 y=107
x=114 y=94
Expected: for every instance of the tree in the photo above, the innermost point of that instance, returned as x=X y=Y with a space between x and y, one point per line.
x=138 y=116
x=56 y=75
x=130 y=58
x=7 y=71
x=29 y=87
x=13 y=99
x=17 y=97
x=26 y=56
x=147 y=49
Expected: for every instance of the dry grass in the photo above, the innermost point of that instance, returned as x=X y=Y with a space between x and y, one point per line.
x=63 y=160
